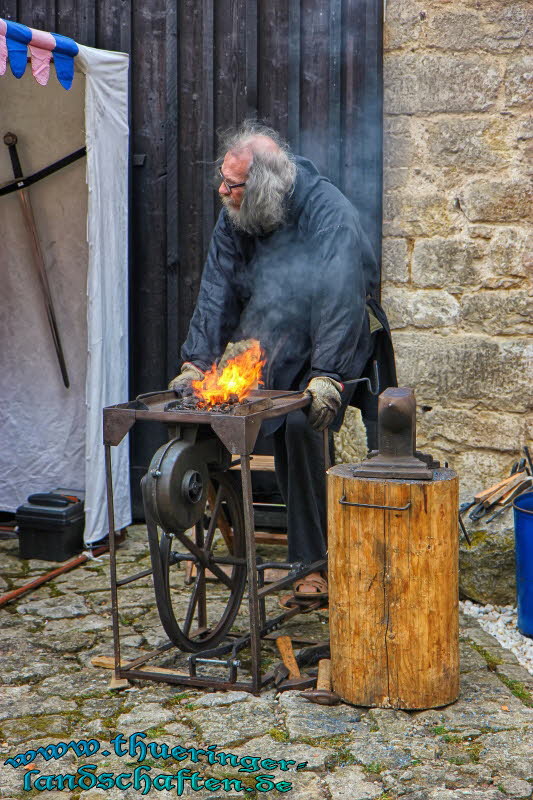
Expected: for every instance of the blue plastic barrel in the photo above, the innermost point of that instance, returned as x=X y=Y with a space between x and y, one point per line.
x=523 y=529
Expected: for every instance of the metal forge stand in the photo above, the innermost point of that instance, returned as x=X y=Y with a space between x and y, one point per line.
x=184 y=473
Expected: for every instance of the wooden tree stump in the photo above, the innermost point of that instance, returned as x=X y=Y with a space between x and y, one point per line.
x=393 y=590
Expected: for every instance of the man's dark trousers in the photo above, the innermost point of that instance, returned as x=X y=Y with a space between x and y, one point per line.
x=300 y=471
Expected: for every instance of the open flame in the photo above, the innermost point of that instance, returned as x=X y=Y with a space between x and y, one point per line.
x=237 y=379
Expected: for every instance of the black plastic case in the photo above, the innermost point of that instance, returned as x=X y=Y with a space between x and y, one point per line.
x=51 y=524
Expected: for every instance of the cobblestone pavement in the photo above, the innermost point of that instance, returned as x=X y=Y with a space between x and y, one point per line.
x=479 y=748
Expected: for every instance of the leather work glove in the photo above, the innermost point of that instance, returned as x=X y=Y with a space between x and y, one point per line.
x=325 y=403
x=188 y=374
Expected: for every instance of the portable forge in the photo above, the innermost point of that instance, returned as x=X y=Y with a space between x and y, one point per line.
x=187 y=488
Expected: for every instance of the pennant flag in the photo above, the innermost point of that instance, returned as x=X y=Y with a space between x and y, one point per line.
x=64 y=53
x=41 y=47
x=18 y=38
x=3 y=46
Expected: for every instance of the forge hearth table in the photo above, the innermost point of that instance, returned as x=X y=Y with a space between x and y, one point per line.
x=186 y=475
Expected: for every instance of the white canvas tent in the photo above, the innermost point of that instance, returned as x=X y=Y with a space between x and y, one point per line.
x=51 y=436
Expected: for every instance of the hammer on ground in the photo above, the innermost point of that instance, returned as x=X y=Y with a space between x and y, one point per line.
x=290 y=669
x=288 y=674
x=286 y=652
x=322 y=694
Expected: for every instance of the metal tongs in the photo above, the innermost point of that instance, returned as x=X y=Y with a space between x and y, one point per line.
x=373 y=386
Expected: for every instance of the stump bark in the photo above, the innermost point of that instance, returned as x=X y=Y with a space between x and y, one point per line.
x=393 y=590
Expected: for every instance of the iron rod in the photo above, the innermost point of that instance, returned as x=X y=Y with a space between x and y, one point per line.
x=253 y=597
x=112 y=559
x=135 y=577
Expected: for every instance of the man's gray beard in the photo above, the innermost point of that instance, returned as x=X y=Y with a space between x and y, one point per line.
x=256 y=221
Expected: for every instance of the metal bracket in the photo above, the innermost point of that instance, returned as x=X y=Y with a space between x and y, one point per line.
x=344 y=502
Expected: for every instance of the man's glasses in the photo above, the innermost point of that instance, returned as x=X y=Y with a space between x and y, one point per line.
x=229 y=186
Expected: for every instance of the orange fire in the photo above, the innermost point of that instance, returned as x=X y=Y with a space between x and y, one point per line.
x=240 y=375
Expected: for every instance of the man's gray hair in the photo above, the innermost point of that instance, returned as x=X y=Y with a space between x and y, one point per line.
x=270 y=180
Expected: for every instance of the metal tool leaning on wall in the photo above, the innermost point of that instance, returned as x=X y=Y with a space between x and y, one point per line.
x=499 y=497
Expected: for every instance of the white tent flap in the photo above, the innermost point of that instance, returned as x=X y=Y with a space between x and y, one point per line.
x=51 y=436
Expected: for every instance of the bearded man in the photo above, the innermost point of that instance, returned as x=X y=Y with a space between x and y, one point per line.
x=289 y=265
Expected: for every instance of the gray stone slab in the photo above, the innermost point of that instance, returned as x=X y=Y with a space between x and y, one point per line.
x=100 y=707
x=514 y=787
x=509 y=752
x=267 y=747
x=144 y=716
x=351 y=783
x=503 y=655
x=498 y=28
x=10 y=782
x=220 y=699
x=485 y=703
x=86 y=683
x=21 y=701
x=21 y=730
x=180 y=734
x=155 y=640
x=95 y=728
x=133 y=641
x=441 y=774
x=14 y=672
x=392 y=752
x=470 y=659
x=83 y=581
x=225 y=724
x=305 y=719
x=515 y=672
x=38 y=566
x=90 y=623
x=391 y=722
x=152 y=693
x=70 y=641
x=70 y=605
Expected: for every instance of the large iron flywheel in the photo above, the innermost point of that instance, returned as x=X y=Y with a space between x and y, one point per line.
x=197 y=545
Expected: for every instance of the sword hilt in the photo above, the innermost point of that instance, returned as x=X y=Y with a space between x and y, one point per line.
x=10 y=139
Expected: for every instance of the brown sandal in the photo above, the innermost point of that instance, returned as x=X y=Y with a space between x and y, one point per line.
x=306 y=605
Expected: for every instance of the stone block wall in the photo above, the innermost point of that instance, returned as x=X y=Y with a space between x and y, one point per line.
x=457 y=210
